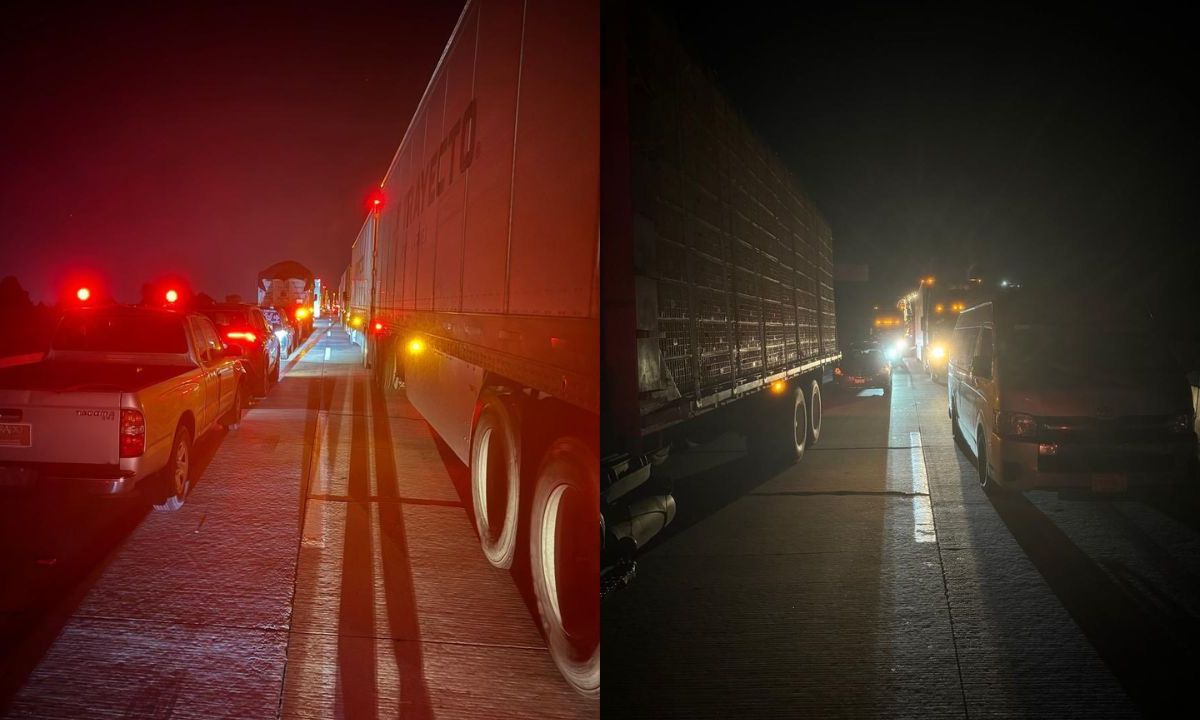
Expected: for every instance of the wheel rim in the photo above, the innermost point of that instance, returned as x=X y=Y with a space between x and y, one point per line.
x=569 y=584
x=181 y=469
x=816 y=410
x=549 y=551
x=982 y=453
x=493 y=490
x=800 y=424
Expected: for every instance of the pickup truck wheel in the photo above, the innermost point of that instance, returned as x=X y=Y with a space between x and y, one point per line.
x=174 y=481
x=230 y=420
x=564 y=556
x=496 y=480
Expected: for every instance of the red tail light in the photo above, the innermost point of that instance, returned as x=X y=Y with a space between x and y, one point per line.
x=248 y=336
x=133 y=433
x=82 y=294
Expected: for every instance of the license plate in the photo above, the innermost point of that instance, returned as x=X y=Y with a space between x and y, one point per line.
x=1109 y=482
x=16 y=434
x=858 y=381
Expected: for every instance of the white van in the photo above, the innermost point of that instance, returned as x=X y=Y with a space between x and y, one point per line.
x=1044 y=396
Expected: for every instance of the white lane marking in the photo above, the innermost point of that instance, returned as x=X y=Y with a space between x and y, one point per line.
x=327 y=354
x=314 y=518
x=923 y=530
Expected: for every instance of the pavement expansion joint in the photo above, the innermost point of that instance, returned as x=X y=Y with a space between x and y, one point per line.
x=893 y=493
x=419 y=640
x=394 y=500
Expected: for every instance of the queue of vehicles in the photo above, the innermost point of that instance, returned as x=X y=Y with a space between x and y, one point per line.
x=123 y=392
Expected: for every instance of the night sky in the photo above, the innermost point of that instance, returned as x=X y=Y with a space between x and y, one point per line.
x=214 y=140
x=1052 y=149
x=206 y=139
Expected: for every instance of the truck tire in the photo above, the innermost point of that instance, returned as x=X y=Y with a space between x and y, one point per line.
x=815 y=412
x=782 y=434
x=230 y=419
x=496 y=480
x=170 y=487
x=564 y=560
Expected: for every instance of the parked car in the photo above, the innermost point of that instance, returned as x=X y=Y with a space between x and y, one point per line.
x=284 y=330
x=1057 y=399
x=118 y=401
x=247 y=327
x=864 y=368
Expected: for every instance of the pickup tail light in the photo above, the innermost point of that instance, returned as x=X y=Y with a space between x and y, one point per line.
x=247 y=336
x=133 y=433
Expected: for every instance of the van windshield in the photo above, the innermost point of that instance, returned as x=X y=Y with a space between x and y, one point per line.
x=1040 y=355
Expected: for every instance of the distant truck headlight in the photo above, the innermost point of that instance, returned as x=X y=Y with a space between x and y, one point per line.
x=891 y=353
x=937 y=352
x=900 y=345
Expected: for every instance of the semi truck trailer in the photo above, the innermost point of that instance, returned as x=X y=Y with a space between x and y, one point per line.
x=289 y=286
x=474 y=282
x=717 y=302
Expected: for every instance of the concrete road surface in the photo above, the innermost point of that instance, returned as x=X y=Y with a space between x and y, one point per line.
x=324 y=566
x=876 y=579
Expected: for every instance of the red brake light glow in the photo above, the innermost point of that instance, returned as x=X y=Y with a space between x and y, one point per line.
x=249 y=336
x=83 y=294
x=172 y=296
x=133 y=433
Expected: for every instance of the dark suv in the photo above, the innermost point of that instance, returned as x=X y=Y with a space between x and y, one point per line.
x=245 y=325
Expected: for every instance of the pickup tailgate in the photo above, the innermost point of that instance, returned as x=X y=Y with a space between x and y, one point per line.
x=53 y=427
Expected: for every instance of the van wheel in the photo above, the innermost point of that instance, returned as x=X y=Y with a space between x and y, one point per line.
x=172 y=483
x=496 y=480
x=815 y=413
x=986 y=481
x=230 y=420
x=954 y=430
x=564 y=556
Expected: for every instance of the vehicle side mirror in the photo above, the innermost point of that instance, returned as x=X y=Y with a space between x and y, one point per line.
x=981 y=366
x=233 y=351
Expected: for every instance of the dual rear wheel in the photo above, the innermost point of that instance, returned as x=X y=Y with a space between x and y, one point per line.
x=550 y=511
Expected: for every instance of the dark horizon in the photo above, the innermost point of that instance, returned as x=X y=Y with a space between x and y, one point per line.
x=198 y=140
x=1031 y=144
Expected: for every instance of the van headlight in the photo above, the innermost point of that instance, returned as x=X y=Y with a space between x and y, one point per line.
x=1017 y=425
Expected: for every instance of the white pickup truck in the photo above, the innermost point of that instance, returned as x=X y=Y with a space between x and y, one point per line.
x=118 y=401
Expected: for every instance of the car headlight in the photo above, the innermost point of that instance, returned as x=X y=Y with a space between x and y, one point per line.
x=281 y=334
x=892 y=353
x=1017 y=425
x=937 y=352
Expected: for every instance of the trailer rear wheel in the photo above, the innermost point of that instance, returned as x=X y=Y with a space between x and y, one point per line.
x=496 y=480
x=781 y=435
x=815 y=412
x=564 y=556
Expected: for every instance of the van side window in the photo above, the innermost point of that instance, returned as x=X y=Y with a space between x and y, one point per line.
x=964 y=342
x=985 y=343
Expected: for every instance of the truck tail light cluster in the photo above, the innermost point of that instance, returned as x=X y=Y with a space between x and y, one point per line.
x=133 y=433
